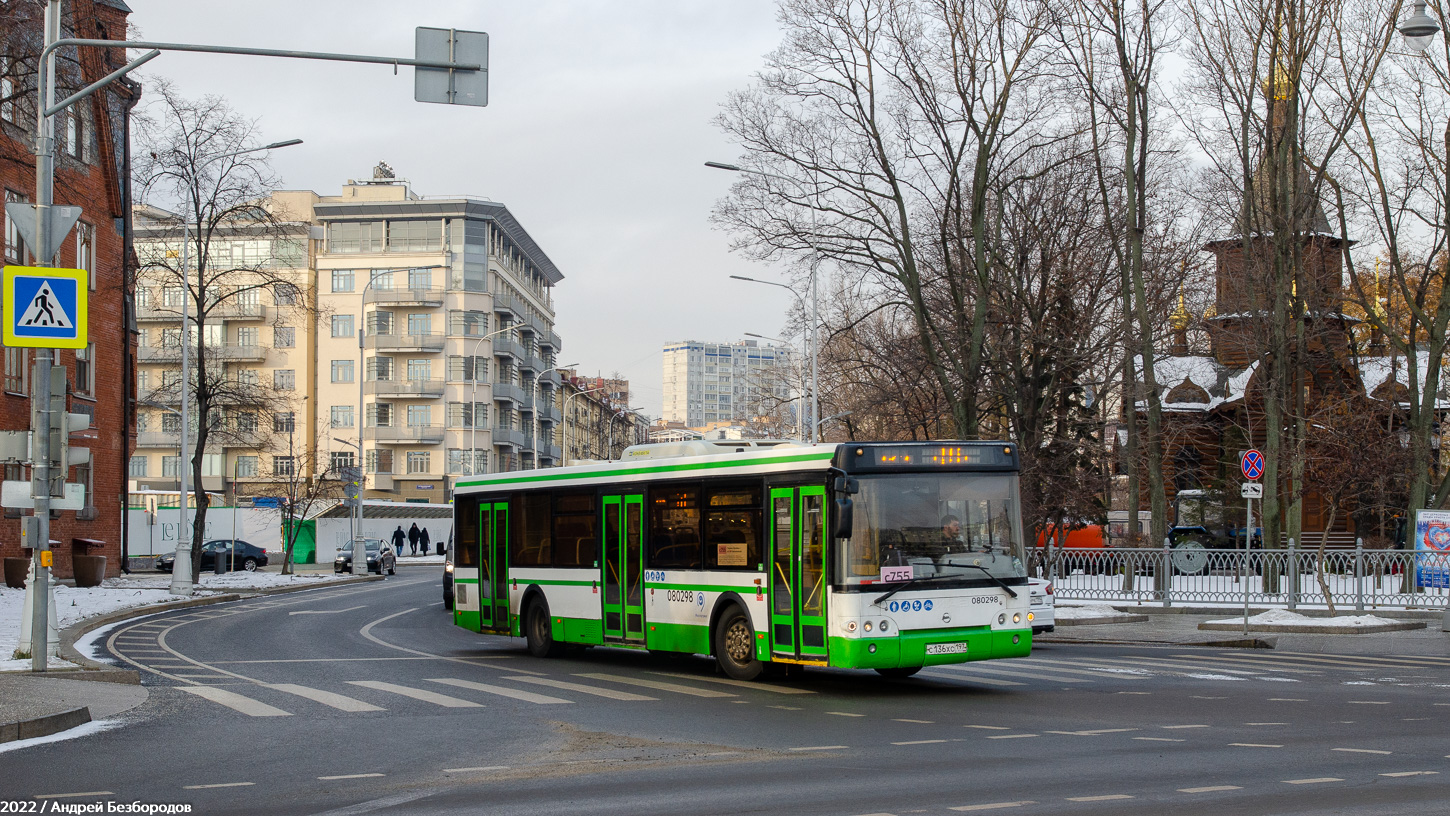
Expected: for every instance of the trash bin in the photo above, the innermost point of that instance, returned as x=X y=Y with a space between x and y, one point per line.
x=87 y=570
x=440 y=546
x=219 y=561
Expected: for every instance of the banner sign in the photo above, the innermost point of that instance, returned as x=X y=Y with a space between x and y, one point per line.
x=1432 y=548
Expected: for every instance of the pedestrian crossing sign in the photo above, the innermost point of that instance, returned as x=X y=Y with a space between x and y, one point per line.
x=45 y=308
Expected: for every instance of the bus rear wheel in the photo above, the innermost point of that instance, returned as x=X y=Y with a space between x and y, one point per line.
x=899 y=673
x=539 y=631
x=735 y=646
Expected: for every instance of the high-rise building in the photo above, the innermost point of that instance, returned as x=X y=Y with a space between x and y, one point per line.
x=713 y=382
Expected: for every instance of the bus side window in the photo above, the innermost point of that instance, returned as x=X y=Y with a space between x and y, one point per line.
x=465 y=545
x=531 y=537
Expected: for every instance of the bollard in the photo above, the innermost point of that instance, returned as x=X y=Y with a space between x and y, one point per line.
x=1167 y=573
x=1359 y=575
x=1293 y=566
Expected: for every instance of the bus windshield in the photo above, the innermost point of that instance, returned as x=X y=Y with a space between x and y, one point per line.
x=920 y=525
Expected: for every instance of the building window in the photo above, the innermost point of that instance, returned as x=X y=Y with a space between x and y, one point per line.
x=246 y=422
x=171 y=297
x=14 y=246
x=246 y=467
x=342 y=280
x=379 y=461
x=284 y=466
x=85 y=377
x=7 y=91
x=420 y=369
x=415 y=236
x=341 y=460
x=86 y=251
x=468 y=415
x=246 y=377
x=170 y=423
x=249 y=336
x=380 y=415
x=171 y=467
x=284 y=379
x=355 y=236
x=420 y=415
x=73 y=134
x=342 y=371
x=284 y=337
x=16 y=375
x=342 y=416
x=380 y=322
x=285 y=422
x=382 y=279
x=380 y=368
x=342 y=326
x=460 y=463
x=418 y=462
x=420 y=324
x=468 y=369
x=286 y=294
x=420 y=279
x=467 y=324
x=137 y=468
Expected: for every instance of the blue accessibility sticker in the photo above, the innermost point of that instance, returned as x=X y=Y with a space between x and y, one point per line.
x=893 y=606
x=916 y=606
x=927 y=605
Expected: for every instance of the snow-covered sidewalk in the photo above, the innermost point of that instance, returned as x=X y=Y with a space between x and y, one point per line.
x=1282 y=620
x=1063 y=613
x=73 y=604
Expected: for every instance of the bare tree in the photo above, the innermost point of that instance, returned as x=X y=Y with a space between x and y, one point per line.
x=189 y=168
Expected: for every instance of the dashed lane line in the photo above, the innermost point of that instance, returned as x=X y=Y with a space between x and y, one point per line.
x=1094 y=732
x=502 y=691
x=654 y=684
x=338 y=701
x=1265 y=723
x=1362 y=751
x=236 y=702
x=479 y=769
x=844 y=714
x=741 y=683
x=1108 y=798
x=992 y=806
x=1159 y=739
x=1287 y=700
x=565 y=685
x=820 y=748
x=1210 y=789
x=351 y=776
x=1411 y=773
x=1253 y=745
x=920 y=742
x=1368 y=702
x=417 y=694
x=1174 y=727
x=1315 y=781
x=989 y=727
x=920 y=722
x=1010 y=736
x=218 y=785
x=72 y=795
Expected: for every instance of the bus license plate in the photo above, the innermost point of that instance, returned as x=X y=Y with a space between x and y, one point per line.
x=946 y=648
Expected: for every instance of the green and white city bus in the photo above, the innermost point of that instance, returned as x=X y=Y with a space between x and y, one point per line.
x=887 y=556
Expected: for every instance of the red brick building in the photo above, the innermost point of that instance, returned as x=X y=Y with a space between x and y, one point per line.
x=92 y=166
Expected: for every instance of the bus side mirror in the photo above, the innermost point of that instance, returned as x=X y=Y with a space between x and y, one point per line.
x=844 y=511
x=847 y=484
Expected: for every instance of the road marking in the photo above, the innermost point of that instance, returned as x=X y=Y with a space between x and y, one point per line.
x=326 y=611
x=235 y=701
x=993 y=806
x=1314 y=781
x=351 y=776
x=1361 y=751
x=1287 y=700
x=1265 y=723
x=582 y=689
x=919 y=742
x=1063 y=667
x=656 y=684
x=989 y=727
x=476 y=770
x=1368 y=702
x=1158 y=739
x=921 y=722
x=70 y=795
x=327 y=698
x=1411 y=773
x=218 y=785
x=1094 y=732
x=417 y=694
x=1253 y=745
x=820 y=748
x=844 y=714
x=526 y=696
x=1211 y=789
x=1198 y=697
x=1171 y=727
x=1413 y=719
x=972 y=678
x=1017 y=673
x=1136 y=692
x=1110 y=797
x=1010 y=736
x=367 y=632
x=1342 y=662
x=742 y=683
x=787 y=708
x=1195 y=667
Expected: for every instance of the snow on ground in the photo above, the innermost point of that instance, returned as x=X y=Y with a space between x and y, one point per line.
x=73 y=604
x=1283 y=617
x=1081 y=612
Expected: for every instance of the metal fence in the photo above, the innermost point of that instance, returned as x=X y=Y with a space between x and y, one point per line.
x=1290 y=577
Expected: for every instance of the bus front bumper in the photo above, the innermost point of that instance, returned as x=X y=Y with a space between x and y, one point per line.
x=930 y=647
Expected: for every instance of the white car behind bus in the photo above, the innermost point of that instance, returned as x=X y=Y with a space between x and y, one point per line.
x=1040 y=613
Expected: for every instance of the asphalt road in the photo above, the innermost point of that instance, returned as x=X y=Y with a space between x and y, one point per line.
x=365 y=699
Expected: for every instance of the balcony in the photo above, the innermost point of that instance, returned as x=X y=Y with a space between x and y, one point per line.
x=395 y=343
x=160 y=439
x=509 y=393
x=235 y=310
x=503 y=346
x=508 y=437
x=531 y=362
x=550 y=340
x=508 y=305
x=405 y=434
x=404 y=389
x=160 y=396
x=404 y=297
x=228 y=353
x=156 y=313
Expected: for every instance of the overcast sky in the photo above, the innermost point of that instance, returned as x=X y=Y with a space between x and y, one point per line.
x=599 y=119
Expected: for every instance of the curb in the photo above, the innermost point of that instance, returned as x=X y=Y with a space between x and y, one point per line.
x=1233 y=643
x=44 y=726
x=1314 y=630
x=1403 y=614
x=1131 y=617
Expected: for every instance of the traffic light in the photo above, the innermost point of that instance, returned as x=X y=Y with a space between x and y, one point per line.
x=351 y=485
x=62 y=424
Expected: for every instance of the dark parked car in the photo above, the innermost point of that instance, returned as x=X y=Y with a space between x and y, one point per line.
x=237 y=554
x=448 y=575
x=380 y=557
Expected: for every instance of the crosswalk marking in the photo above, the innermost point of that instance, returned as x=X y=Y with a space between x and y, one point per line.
x=235 y=701
x=1181 y=666
x=417 y=694
x=581 y=688
x=742 y=683
x=1444 y=661
x=655 y=684
x=1324 y=663
x=993 y=806
x=1063 y=666
x=972 y=677
x=327 y=698
x=526 y=696
x=1020 y=673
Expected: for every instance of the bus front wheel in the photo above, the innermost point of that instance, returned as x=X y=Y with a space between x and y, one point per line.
x=539 y=632
x=735 y=646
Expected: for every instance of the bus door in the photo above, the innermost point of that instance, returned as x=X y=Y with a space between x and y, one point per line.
x=798 y=576
x=621 y=569
x=493 y=538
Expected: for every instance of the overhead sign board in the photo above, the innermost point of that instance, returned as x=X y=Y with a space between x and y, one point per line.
x=1252 y=464
x=45 y=308
x=1251 y=490
x=449 y=86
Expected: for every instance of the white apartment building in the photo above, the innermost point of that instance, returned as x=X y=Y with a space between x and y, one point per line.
x=452 y=301
x=718 y=382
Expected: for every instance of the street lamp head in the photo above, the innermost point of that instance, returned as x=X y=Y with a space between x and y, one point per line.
x=1419 y=29
x=722 y=166
x=283 y=143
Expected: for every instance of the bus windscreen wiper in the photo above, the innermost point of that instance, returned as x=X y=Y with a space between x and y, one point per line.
x=1000 y=582
x=914 y=581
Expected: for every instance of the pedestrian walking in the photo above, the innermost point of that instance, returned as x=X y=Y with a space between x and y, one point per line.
x=413 y=539
x=423 y=541
x=398 y=538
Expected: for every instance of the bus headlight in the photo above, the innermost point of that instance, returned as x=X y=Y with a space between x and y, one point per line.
x=1017 y=617
x=867 y=626
x=448 y=568
x=882 y=627
x=1002 y=618
x=850 y=626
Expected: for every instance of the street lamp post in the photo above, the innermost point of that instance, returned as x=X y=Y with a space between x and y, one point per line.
x=815 y=300
x=801 y=409
x=617 y=414
x=473 y=404
x=534 y=397
x=181 y=577
x=565 y=418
